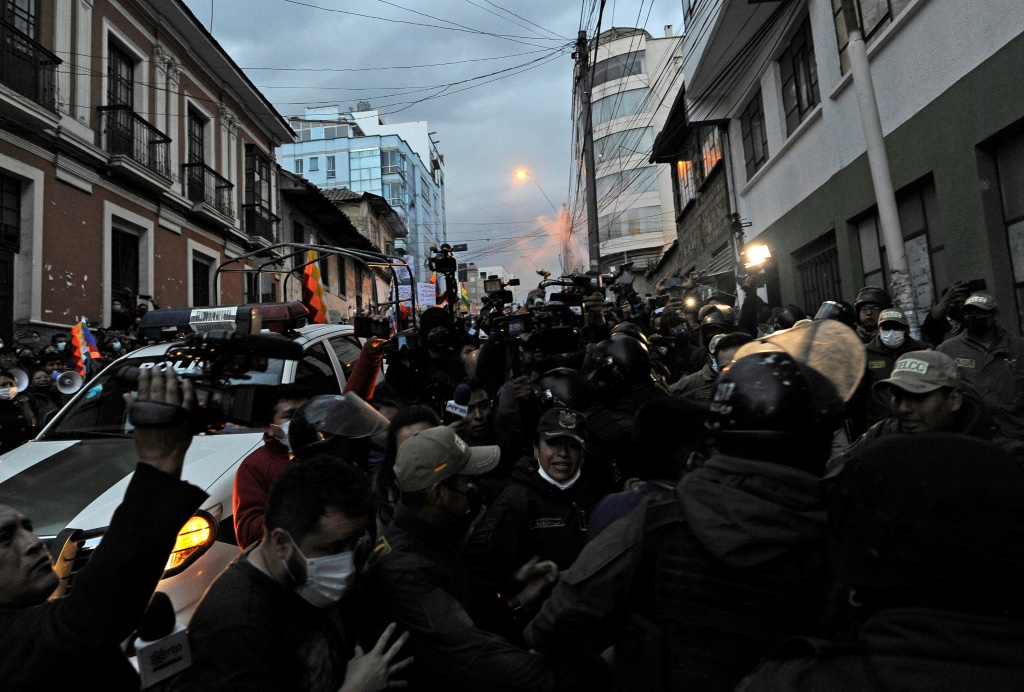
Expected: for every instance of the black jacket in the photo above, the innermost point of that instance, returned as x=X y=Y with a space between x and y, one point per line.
x=415 y=577
x=80 y=635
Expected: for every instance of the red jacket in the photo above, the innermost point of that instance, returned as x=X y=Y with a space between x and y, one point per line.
x=363 y=379
x=253 y=480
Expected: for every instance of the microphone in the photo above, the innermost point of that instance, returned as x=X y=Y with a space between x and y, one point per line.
x=162 y=644
x=459 y=404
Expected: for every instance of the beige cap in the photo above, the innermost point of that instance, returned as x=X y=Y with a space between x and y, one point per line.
x=436 y=454
x=920 y=372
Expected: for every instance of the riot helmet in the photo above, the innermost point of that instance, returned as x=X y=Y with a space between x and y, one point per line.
x=766 y=398
x=619 y=364
x=633 y=330
x=328 y=424
x=565 y=388
x=715 y=322
x=838 y=310
x=872 y=295
x=786 y=316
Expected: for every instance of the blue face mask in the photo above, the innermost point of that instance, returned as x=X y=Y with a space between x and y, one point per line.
x=714 y=365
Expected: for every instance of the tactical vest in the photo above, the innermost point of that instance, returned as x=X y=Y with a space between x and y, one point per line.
x=697 y=624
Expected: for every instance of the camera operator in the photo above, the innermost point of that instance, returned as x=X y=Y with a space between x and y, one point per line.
x=83 y=631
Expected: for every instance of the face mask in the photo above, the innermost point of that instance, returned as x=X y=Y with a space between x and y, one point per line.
x=8 y=393
x=116 y=345
x=327 y=578
x=441 y=340
x=714 y=365
x=61 y=345
x=284 y=434
x=561 y=486
x=892 y=338
x=978 y=325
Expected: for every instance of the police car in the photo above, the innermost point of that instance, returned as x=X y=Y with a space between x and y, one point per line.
x=72 y=477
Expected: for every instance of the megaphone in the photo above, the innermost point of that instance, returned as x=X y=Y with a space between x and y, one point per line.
x=69 y=382
x=20 y=379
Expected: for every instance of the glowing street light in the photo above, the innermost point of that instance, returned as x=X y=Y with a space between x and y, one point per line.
x=757 y=255
x=523 y=174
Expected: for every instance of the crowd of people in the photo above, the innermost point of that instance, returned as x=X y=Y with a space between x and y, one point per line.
x=650 y=494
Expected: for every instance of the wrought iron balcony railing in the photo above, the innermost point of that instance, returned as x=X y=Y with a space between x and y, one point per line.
x=126 y=133
x=259 y=221
x=203 y=184
x=27 y=67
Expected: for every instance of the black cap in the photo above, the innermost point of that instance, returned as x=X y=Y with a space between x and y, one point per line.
x=563 y=422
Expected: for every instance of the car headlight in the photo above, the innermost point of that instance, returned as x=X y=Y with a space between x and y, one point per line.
x=198 y=534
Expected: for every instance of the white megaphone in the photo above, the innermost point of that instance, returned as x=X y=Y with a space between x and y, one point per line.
x=69 y=382
x=20 y=379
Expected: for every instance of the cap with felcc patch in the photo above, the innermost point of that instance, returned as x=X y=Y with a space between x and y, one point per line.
x=982 y=301
x=921 y=372
x=892 y=315
x=436 y=454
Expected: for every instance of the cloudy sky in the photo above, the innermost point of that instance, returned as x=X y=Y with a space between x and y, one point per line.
x=331 y=52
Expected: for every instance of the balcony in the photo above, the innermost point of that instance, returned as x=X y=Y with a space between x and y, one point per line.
x=29 y=71
x=137 y=149
x=259 y=224
x=210 y=193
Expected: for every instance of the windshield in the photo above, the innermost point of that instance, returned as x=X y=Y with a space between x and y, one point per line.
x=100 y=410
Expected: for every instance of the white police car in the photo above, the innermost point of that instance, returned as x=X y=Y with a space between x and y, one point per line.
x=72 y=477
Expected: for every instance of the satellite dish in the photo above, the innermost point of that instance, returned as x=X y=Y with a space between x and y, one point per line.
x=20 y=378
x=69 y=382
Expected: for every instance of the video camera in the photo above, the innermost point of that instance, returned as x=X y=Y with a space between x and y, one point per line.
x=442 y=260
x=367 y=327
x=497 y=290
x=215 y=361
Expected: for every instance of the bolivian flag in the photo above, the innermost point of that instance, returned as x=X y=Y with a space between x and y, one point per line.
x=313 y=290
x=465 y=296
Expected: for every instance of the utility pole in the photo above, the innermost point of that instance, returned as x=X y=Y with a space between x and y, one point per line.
x=904 y=295
x=583 y=65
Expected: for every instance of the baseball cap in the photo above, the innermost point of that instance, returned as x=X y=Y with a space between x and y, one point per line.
x=563 y=422
x=893 y=316
x=921 y=372
x=436 y=454
x=982 y=301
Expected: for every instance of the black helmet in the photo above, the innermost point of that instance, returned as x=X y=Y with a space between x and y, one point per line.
x=564 y=387
x=435 y=317
x=633 y=330
x=619 y=364
x=909 y=517
x=838 y=310
x=769 y=396
x=872 y=294
x=788 y=315
x=323 y=420
x=727 y=314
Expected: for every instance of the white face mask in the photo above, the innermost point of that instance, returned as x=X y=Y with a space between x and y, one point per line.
x=327 y=578
x=892 y=338
x=284 y=433
x=561 y=486
x=61 y=345
x=8 y=393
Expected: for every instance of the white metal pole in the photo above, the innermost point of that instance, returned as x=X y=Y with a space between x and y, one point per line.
x=901 y=285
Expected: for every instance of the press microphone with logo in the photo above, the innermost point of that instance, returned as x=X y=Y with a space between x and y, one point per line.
x=162 y=645
x=459 y=404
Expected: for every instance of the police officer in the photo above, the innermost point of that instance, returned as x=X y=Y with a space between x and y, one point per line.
x=695 y=588
x=870 y=301
x=892 y=341
x=992 y=360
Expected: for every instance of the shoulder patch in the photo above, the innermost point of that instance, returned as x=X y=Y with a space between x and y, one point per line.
x=547 y=523
x=965 y=362
x=876 y=364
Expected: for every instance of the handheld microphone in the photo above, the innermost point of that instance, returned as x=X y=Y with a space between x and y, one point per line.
x=459 y=404
x=162 y=645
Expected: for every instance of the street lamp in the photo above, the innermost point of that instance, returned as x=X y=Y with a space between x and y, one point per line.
x=523 y=174
x=540 y=272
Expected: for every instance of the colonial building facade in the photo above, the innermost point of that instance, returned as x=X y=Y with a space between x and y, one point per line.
x=135 y=157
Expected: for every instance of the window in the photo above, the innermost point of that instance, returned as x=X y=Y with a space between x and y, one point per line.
x=120 y=78
x=918 y=209
x=703 y=152
x=817 y=263
x=257 y=178
x=259 y=288
x=10 y=213
x=618 y=66
x=365 y=170
x=22 y=14
x=200 y=281
x=394 y=193
x=755 y=137
x=874 y=16
x=634 y=182
x=314 y=163
x=620 y=105
x=124 y=265
x=1010 y=166
x=629 y=222
x=686 y=174
x=391 y=161
x=799 y=77
x=298 y=166
x=342 y=275
x=625 y=143
x=331 y=172
x=196 y=137
x=315 y=373
x=347 y=349
x=711 y=150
